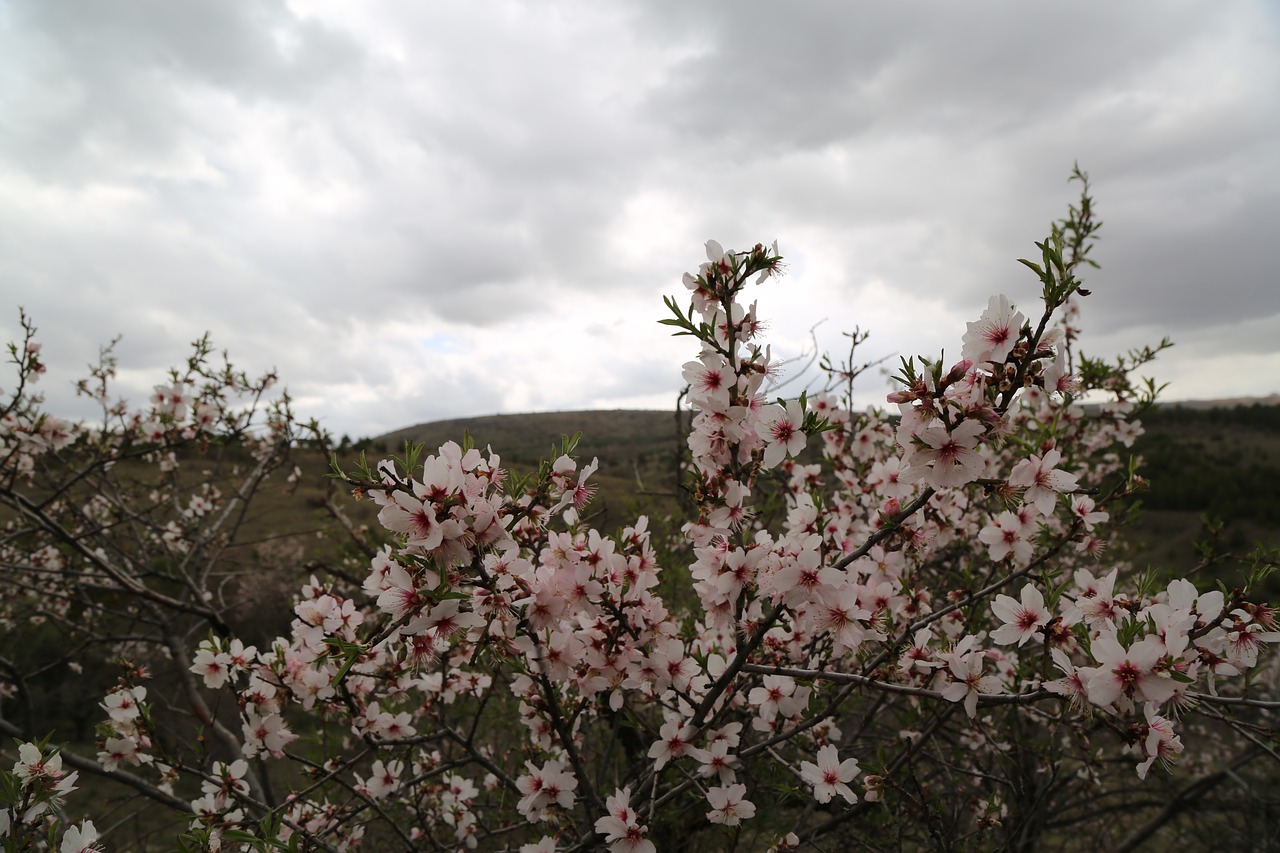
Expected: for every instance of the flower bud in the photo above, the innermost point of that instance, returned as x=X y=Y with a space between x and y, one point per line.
x=958 y=372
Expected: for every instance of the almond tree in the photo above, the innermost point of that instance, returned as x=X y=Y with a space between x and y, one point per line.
x=843 y=661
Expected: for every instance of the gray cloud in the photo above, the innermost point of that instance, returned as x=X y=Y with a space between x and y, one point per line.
x=326 y=189
x=106 y=81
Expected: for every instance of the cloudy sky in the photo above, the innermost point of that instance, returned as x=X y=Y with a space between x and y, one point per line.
x=422 y=210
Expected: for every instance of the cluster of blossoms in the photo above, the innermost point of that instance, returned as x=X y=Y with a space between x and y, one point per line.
x=878 y=605
x=26 y=431
x=38 y=791
x=125 y=739
x=218 y=794
x=621 y=828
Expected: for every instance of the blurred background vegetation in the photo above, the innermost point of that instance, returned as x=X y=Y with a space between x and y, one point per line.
x=1214 y=477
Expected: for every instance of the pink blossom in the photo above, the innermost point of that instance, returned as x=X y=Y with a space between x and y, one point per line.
x=886 y=478
x=80 y=839
x=830 y=776
x=774 y=691
x=1097 y=604
x=1071 y=686
x=213 y=666
x=780 y=429
x=1007 y=536
x=947 y=458
x=543 y=787
x=1042 y=480
x=269 y=734
x=621 y=827
x=384 y=779
x=1023 y=621
x=1245 y=639
x=673 y=742
x=400 y=595
x=729 y=805
x=1082 y=507
x=1160 y=743
x=918 y=655
x=1058 y=378
x=718 y=762
x=415 y=518
x=32 y=764
x=710 y=381
x=965 y=666
x=444 y=620
x=993 y=336
x=1129 y=673
x=121 y=704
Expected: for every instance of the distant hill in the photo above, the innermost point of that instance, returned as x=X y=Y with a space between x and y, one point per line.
x=523 y=438
x=1216 y=457
x=636 y=448
x=526 y=436
x=1224 y=403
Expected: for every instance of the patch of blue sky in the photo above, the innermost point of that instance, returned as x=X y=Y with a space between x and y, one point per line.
x=442 y=343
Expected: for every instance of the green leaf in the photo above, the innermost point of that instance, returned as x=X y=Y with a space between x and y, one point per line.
x=243 y=837
x=351 y=652
x=1033 y=266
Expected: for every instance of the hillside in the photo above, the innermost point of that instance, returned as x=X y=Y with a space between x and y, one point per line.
x=1223 y=462
x=1200 y=458
x=637 y=451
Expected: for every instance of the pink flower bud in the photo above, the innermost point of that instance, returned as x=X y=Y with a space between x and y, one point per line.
x=959 y=371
